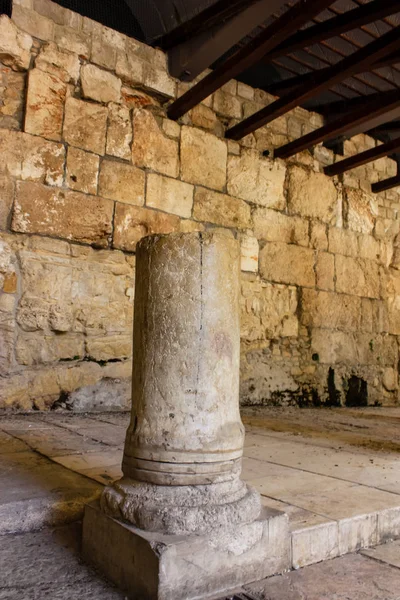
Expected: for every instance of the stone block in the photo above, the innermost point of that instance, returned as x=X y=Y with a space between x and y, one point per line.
x=342 y=241
x=103 y=54
x=325 y=269
x=151 y=148
x=60 y=213
x=357 y=276
x=85 y=125
x=357 y=532
x=109 y=348
x=249 y=253
x=31 y=22
x=287 y=263
x=45 y=105
x=213 y=207
x=268 y=311
x=6 y=200
x=100 y=85
x=82 y=170
x=12 y=98
x=38 y=349
x=369 y=248
x=256 y=179
x=203 y=116
x=333 y=311
x=59 y=63
x=129 y=67
x=169 y=195
x=362 y=211
x=314 y=544
x=131 y=223
x=203 y=157
x=227 y=105
x=72 y=40
x=274 y=226
x=15 y=46
x=154 y=566
x=334 y=346
x=318 y=236
x=122 y=182
x=312 y=195
x=31 y=158
x=119 y=131
x=159 y=81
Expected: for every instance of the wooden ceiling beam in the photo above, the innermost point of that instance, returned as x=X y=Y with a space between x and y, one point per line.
x=363 y=158
x=359 y=118
x=368 y=13
x=386 y=184
x=280 y=87
x=187 y=60
x=359 y=61
x=294 y=18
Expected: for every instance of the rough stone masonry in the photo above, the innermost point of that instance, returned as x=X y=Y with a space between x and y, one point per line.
x=90 y=164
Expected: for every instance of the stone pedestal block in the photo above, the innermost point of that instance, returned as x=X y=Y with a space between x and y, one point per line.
x=153 y=566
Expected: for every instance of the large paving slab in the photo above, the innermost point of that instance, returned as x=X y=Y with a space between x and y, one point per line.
x=46 y=565
x=340 y=493
x=351 y=577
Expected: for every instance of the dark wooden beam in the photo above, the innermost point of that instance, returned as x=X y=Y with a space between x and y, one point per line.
x=363 y=158
x=190 y=58
x=363 y=117
x=214 y=14
x=359 y=61
x=351 y=19
x=385 y=128
x=264 y=42
x=280 y=87
x=386 y=184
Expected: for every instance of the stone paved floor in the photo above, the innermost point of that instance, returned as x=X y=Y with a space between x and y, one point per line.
x=335 y=472
x=45 y=565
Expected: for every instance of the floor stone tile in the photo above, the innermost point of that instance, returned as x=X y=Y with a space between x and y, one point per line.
x=58 y=441
x=352 y=577
x=387 y=553
x=9 y=444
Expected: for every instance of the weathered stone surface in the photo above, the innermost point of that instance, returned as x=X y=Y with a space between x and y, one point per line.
x=333 y=346
x=203 y=116
x=342 y=241
x=131 y=223
x=318 y=236
x=82 y=170
x=256 y=179
x=249 y=253
x=213 y=207
x=63 y=65
x=203 y=158
x=357 y=276
x=151 y=148
x=85 y=125
x=159 y=81
x=15 y=46
x=38 y=349
x=33 y=23
x=325 y=269
x=12 y=98
x=6 y=200
x=122 y=182
x=99 y=85
x=370 y=248
x=169 y=195
x=109 y=347
x=285 y=263
x=269 y=311
x=312 y=195
x=72 y=40
x=59 y=213
x=129 y=67
x=45 y=105
x=333 y=311
x=362 y=211
x=119 y=131
x=31 y=158
x=227 y=105
x=273 y=226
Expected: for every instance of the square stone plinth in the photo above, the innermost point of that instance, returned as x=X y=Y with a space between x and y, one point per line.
x=153 y=566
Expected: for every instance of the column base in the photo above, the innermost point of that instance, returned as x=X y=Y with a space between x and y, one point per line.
x=154 y=566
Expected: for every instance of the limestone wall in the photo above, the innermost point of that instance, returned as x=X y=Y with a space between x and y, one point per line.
x=89 y=164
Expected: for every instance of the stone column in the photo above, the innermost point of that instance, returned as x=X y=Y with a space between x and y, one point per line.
x=183 y=449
